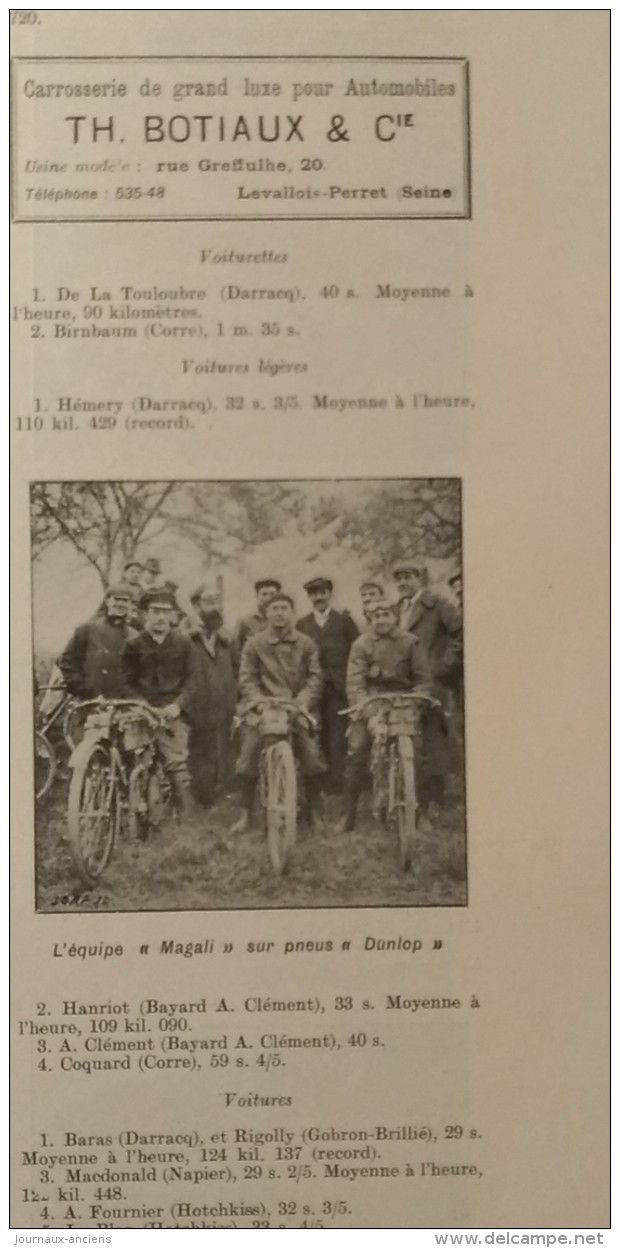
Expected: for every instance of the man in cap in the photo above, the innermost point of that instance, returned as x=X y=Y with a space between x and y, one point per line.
x=151 y=574
x=383 y=660
x=132 y=573
x=280 y=662
x=333 y=633
x=455 y=581
x=160 y=668
x=251 y=624
x=436 y=623
x=212 y=704
x=132 y=576
x=370 y=593
x=91 y=663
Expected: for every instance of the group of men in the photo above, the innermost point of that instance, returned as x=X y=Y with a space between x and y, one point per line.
x=141 y=645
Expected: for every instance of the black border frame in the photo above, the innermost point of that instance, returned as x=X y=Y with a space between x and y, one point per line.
x=162 y=220
x=267 y=909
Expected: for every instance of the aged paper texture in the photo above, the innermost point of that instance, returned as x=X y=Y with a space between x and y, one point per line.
x=309 y=845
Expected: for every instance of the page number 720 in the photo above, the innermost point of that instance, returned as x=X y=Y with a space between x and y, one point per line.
x=21 y=17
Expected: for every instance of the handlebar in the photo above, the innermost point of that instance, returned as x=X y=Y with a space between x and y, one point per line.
x=394 y=697
x=143 y=708
x=287 y=703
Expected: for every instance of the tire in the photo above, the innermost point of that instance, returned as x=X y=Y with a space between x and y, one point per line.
x=137 y=806
x=45 y=765
x=158 y=798
x=380 y=781
x=73 y=725
x=150 y=801
x=94 y=810
x=280 y=803
x=406 y=802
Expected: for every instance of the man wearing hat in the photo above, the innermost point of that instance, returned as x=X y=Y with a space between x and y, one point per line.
x=212 y=705
x=280 y=662
x=91 y=663
x=251 y=624
x=132 y=576
x=151 y=574
x=370 y=593
x=383 y=660
x=455 y=581
x=436 y=623
x=132 y=573
x=160 y=668
x=333 y=633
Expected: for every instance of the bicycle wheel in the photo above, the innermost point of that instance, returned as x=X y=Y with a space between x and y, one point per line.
x=406 y=801
x=45 y=765
x=281 y=804
x=73 y=720
x=94 y=810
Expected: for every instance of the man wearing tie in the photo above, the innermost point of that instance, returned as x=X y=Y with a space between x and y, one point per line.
x=436 y=623
x=333 y=633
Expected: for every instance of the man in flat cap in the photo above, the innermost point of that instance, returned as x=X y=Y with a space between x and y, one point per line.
x=132 y=573
x=212 y=704
x=248 y=625
x=280 y=662
x=151 y=574
x=91 y=663
x=383 y=660
x=333 y=633
x=455 y=582
x=370 y=593
x=160 y=668
x=436 y=623
x=132 y=576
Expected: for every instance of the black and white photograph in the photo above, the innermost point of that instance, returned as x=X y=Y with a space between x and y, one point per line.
x=248 y=694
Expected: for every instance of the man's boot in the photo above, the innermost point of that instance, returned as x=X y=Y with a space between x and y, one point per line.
x=314 y=799
x=246 y=788
x=352 y=790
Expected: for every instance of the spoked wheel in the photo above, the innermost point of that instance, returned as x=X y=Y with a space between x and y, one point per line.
x=158 y=798
x=45 y=765
x=150 y=801
x=406 y=810
x=280 y=796
x=138 y=811
x=380 y=788
x=94 y=811
x=73 y=722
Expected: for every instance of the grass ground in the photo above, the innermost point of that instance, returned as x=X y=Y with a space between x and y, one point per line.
x=200 y=865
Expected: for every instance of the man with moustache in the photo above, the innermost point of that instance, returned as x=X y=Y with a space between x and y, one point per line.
x=91 y=664
x=160 y=668
x=280 y=662
x=212 y=704
x=383 y=660
x=436 y=622
x=333 y=633
x=248 y=625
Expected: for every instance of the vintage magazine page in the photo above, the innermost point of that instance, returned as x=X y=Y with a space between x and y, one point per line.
x=309 y=655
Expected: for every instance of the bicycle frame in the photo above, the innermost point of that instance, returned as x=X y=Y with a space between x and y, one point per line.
x=394 y=721
x=128 y=764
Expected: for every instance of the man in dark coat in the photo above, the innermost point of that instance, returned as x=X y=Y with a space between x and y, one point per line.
x=212 y=704
x=280 y=662
x=161 y=668
x=333 y=633
x=371 y=592
x=91 y=663
x=383 y=660
x=249 y=625
x=436 y=623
